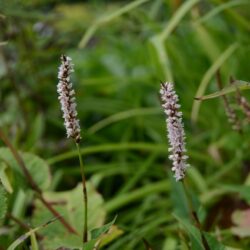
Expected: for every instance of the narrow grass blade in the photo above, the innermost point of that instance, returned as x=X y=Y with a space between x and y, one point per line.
x=23 y=237
x=192 y=231
x=97 y=232
x=162 y=57
x=138 y=174
x=110 y=147
x=238 y=85
x=107 y=18
x=220 y=8
x=176 y=18
x=158 y=40
x=121 y=116
x=238 y=18
x=208 y=76
x=206 y=41
x=124 y=199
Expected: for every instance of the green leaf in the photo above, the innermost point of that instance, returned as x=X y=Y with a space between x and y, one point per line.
x=244 y=192
x=70 y=205
x=95 y=233
x=37 y=167
x=170 y=244
x=108 y=237
x=213 y=242
x=195 y=236
x=90 y=244
x=238 y=85
x=3 y=202
x=5 y=178
x=178 y=198
x=104 y=238
x=193 y=233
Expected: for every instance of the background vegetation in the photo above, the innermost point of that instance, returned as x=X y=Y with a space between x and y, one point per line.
x=122 y=50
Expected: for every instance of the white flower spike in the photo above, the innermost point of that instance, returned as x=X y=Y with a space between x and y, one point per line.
x=175 y=129
x=67 y=99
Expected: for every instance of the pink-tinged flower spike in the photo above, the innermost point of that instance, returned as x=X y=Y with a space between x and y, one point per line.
x=175 y=129
x=67 y=99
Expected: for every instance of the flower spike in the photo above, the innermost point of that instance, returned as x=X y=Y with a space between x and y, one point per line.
x=175 y=129
x=67 y=99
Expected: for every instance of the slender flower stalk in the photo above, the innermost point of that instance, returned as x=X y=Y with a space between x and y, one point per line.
x=175 y=129
x=176 y=137
x=71 y=122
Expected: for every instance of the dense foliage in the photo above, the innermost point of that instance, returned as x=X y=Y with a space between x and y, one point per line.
x=122 y=51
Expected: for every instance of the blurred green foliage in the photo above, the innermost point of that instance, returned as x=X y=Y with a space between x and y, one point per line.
x=122 y=50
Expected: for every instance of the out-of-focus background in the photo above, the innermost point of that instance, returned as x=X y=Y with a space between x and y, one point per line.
x=122 y=51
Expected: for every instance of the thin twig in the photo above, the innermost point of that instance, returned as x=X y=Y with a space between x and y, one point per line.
x=33 y=184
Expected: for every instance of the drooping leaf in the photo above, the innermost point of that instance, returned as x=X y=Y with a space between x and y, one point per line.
x=37 y=167
x=238 y=85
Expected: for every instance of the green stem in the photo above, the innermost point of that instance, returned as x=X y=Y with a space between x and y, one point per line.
x=85 y=196
x=34 y=244
x=194 y=216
